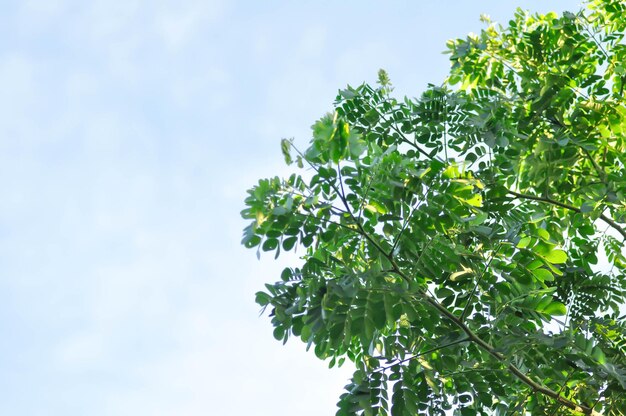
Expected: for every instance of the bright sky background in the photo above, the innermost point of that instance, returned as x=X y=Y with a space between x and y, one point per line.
x=129 y=132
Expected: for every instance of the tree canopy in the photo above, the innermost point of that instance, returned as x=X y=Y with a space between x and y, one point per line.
x=465 y=250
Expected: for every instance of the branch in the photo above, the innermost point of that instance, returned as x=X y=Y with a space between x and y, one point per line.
x=437 y=348
x=405 y=225
x=598 y=169
x=471 y=335
x=569 y=376
x=513 y=369
x=586 y=24
x=392 y=124
x=469 y=300
x=601 y=173
x=604 y=218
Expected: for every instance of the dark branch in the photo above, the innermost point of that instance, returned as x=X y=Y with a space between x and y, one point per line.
x=471 y=335
x=469 y=300
x=604 y=218
x=434 y=349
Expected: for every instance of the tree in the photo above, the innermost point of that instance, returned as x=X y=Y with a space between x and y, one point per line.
x=466 y=249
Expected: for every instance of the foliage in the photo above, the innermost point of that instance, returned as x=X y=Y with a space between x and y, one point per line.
x=466 y=249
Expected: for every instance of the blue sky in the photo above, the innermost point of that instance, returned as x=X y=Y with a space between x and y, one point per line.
x=129 y=132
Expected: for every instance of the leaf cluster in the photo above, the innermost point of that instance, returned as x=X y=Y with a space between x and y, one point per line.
x=465 y=250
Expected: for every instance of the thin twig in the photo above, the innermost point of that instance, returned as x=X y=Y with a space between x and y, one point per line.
x=437 y=348
x=469 y=300
x=559 y=405
x=471 y=335
x=405 y=225
x=604 y=218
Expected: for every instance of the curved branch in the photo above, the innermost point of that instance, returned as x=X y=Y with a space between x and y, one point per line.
x=471 y=335
x=403 y=138
x=513 y=369
x=604 y=218
x=421 y=354
x=601 y=172
x=469 y=300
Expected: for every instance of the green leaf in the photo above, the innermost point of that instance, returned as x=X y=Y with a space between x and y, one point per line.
x=289 y=242
x=486 y=201
x=586 y=207
x=554 y=309
x=262 y=298
x=286 y=274
x=598 y=355
x=543 y=275
x=375 y=207
x=556 y=256
x=543 y=234
x=285 y=146
x=461 y=274
x=349 y=94
x=279 y=333
x=270 y=244
x=523 y=242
